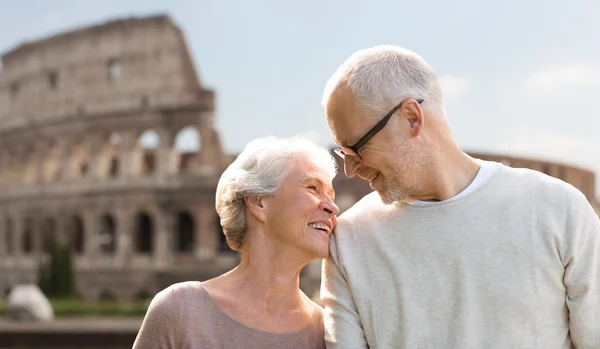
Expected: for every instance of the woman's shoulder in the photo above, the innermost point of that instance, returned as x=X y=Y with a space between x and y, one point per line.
x=183 y=288
x=162 y=324
x=178 y=292
x=177 y=296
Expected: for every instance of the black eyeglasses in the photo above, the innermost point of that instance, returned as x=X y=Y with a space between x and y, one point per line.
x=352 y=151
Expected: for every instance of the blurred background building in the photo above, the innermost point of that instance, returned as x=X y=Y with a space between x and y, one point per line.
x=89 y=126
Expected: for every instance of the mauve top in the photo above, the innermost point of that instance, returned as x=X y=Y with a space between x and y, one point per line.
x=184 y=315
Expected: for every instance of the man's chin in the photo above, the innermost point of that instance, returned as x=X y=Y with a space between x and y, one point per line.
x=386 y=198
x=390 y=198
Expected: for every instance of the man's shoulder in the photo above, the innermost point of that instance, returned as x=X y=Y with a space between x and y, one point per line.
x=549 y=194
x=539 y=182
x=363 y=208
x=363 y=216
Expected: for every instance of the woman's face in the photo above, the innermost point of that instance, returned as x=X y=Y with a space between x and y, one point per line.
x=302 y=214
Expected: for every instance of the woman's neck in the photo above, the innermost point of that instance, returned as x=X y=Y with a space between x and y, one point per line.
x=269 y=274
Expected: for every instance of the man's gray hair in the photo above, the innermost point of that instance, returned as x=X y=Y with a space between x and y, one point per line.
x=382 y=76
x=259 y=170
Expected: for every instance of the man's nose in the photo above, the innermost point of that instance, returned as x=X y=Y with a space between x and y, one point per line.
x=350 y=166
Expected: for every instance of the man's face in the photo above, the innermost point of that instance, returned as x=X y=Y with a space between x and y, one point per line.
x=390 y=161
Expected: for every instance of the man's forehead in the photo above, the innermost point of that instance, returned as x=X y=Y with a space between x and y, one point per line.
x=343 y=116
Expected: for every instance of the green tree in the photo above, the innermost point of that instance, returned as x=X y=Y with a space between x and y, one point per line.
x=56 y=277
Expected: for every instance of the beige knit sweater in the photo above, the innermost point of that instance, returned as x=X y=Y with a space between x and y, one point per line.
x=185 y=316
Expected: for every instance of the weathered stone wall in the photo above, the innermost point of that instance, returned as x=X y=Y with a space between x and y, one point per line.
x=116 y=67
x=74 y=109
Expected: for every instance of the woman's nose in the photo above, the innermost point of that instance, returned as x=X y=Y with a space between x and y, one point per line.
x=330 y=207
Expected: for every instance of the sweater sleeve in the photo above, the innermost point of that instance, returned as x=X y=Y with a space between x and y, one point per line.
x=343 y=327
x=582 y=272
x=160 y=328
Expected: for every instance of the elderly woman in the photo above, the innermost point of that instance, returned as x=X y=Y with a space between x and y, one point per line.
x=276 y=204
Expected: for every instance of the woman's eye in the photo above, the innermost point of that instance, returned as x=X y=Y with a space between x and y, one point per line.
x=312 y=187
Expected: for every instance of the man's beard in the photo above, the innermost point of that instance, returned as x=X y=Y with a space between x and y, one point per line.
x=393 y=193
x=403 y=181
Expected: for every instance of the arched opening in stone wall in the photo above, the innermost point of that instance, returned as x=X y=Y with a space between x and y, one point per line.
x=185 y=233
x=76 y=235
x=53 y=80
x=15 y=87
x=107 y=296
x=114 y=141
x=27 y=235
x=146 y=152
x=79 y=159
x=109 y=156
x=52 y=163
x=144 y=229
x=107 y=236
x=114 y=69
x=48 y=233
x=143 y=296
x=187 y=146
x=30 y=168
x=8 y=235
x=145 y=101
x=223 y=246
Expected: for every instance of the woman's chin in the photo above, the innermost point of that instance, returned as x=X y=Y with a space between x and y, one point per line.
x=321 y=250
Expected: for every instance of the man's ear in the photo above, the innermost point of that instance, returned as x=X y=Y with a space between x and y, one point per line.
x=415 y=117
x=256 y=206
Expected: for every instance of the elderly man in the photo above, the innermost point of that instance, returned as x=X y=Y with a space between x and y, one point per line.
x=448 y=251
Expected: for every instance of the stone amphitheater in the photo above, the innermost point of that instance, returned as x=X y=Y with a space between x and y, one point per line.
x=90 y=121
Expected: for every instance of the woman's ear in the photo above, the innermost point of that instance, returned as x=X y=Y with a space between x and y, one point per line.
x=256 y=206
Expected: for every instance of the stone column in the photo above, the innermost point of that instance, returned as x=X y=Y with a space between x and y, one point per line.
x=206 y=232
x=61 y=230
x=94 y=149
x=126 y=150
x=41 y=156
x=38 y=235
x=91 y=225
x=64 y=150
x=163 y=236
x=164 y=166
x=4 y=168
x=206 y=162
x=8 y=170
x=17 y=235
x=3 y=236
x=9 y=235
x=19 y=167
x=125 y=226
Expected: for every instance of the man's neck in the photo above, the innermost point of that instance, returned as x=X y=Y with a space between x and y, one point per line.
x=451 y=172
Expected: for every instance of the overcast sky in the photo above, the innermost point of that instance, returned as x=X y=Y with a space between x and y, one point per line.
x=520 y=77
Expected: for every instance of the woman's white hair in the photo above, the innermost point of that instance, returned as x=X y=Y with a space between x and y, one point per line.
x=382 y=76
x=259 y=170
